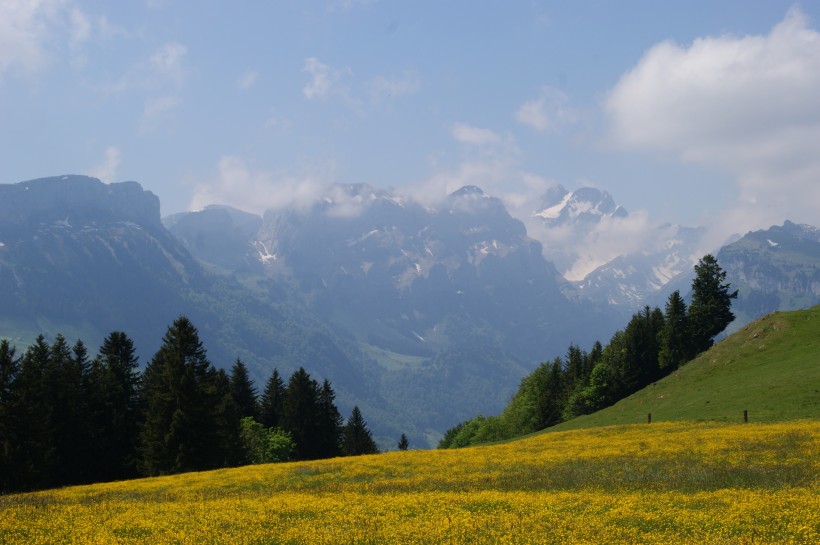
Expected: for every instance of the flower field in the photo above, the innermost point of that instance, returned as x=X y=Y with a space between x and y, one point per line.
x=660 y=483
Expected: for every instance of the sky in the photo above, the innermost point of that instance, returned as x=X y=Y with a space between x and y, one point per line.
x=688 y=112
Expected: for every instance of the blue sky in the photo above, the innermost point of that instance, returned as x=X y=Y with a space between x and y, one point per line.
x=696 y=112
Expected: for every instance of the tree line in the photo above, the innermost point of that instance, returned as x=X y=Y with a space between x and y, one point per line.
x=652 y=345
x=67 y=418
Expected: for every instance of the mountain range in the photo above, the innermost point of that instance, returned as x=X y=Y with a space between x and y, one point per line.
x=421 y=316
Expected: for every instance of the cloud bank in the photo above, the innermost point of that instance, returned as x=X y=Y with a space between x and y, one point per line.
x=747 y=105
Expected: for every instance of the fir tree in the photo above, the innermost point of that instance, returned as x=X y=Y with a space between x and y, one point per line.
x=9 y=367
x=179 y=432
x=674 y=339
x=330 y=422
x=63 y=383
x=114 y=396
x=301 y=415
x=403 y=443
x=34 y=458
x=710 y=310
x=243 y=391
x=357 y=437
x=272 y=401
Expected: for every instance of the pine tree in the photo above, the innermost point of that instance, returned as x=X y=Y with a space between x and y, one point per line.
x=9 y=367
x=330 y=422
x=272 y=401
x=357 y=437
x=710 y=310
x=674 y=339
x=180 y=432
x=403 y=443
x=115 y=399
x=301 y=415
x=32 y=413
x=63 y=383
x=228 y=416
x=243 y=391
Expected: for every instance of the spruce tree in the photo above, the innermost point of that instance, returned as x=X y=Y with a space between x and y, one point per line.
x=180 y=432
x=9 y=367
x=272 y=401
x=32 y=413
x=710 y=310
x=243 y=391
x=403 y=443
x=674 y=339
x=63 y=383
x=301 y=415
x=330 y=422
x=357 y=437
x=228 y=416
x=115 y=399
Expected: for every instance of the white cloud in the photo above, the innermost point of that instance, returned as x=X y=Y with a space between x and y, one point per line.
x=382 y=87
x=325 y=81
x=549 y=111
x=467 y=134
x=155 y=110
x=161 y=72
x=167 y=63
x=107 y=169
x=32 y=31
x=257 y=191
x=746 y=105
x=247 y=80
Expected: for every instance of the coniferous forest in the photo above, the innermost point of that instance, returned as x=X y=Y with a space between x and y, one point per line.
x=69 y=418
x=653 y=344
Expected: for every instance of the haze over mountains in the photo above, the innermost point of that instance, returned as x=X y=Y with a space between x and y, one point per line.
x=422 y=316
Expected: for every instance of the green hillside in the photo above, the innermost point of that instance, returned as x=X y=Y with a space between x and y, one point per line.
x=771 y=368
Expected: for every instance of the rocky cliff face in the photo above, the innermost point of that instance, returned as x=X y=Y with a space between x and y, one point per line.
x=773 y=269
x=78 y=199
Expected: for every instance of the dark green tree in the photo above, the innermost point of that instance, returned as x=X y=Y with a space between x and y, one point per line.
x=403 y=443
x=711 y=308
x=272 y=401
x=357 y=437
x=227 y=422
x=116 y=407
x=243 y=391
x=642 y=348
x=331 y=422
x=674 y=339
x=34 y=460
x=180 y=432
x=301 y=415
x=9 y=367
x=63 y=385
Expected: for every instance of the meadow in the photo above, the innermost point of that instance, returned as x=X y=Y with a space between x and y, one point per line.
x=681 y=482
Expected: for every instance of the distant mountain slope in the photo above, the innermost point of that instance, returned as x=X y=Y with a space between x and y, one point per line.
x=771 y=368
x=84 y=258
x=455 y=303
x=421 y=317
x=774 y=269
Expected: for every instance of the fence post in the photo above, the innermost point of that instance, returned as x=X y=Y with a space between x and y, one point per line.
x=649 y=418
x=745 y=415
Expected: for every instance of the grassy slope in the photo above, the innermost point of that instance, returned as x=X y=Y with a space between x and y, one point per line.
x=706 y=483
x=771 y=368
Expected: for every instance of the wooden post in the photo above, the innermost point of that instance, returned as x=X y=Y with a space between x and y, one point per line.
x=745 y=415
x=649 y=418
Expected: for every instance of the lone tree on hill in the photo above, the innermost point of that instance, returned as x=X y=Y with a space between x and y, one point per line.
x=710 y=310
x=357 y=437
